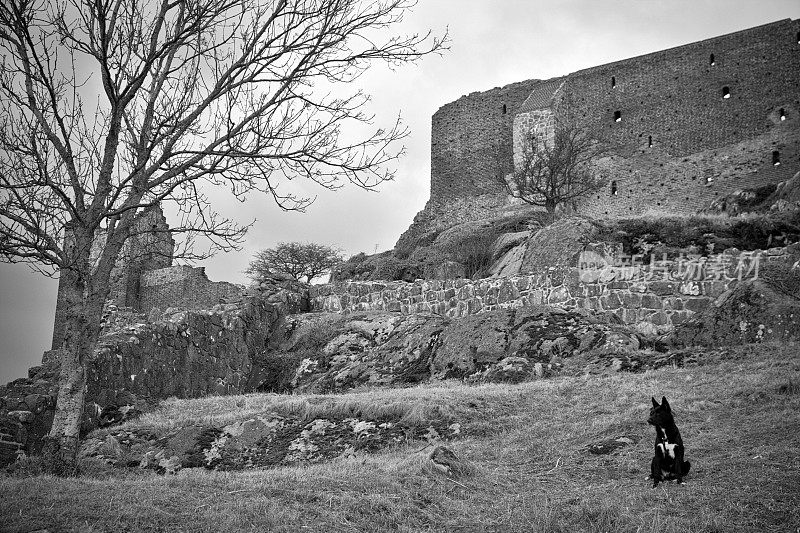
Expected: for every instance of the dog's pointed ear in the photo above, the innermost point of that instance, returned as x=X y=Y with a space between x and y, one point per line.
x=655 y=403
x=665 y=403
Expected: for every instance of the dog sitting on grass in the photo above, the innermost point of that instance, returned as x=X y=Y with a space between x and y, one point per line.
x=668 y=461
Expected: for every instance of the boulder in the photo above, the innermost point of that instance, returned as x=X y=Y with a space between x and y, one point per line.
x=557 y=245
x=471 y=344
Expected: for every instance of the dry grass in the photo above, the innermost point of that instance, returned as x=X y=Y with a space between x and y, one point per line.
x=738 y=415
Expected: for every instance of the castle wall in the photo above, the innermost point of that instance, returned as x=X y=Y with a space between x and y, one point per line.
x=186 y=287
x=679 y=144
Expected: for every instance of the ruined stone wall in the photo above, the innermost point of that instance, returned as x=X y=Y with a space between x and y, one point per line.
x=188 y=354
x=665 y=293
x=186 y=287
x=149 y=247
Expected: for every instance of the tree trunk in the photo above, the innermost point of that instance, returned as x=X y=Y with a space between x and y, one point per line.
x=82 y=330
x=60 y=452
x=550 y=205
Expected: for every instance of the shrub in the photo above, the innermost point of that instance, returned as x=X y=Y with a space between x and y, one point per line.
x=709 y=234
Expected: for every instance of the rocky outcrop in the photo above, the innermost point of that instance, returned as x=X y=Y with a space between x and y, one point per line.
x=507 y=345
x=264 y=440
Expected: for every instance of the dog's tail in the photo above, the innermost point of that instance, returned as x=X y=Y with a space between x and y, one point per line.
x=686 y=466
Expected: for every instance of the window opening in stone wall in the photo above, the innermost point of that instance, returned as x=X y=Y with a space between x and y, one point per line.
x=613 y=188
x=726 y=92
x=711 y=60
x=798 y=37
x=776 y=158
x=617 y=116
x=613 y=82
x=505 y=110
x=649 y=141
x=783 y=114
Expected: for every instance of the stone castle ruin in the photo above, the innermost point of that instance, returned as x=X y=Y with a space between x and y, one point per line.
x=689 y=125
x=145 y=278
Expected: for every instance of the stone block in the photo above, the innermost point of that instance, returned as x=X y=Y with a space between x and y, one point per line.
x=651 y=301
x=505 y=293
x=537 y=297
x=659 y=319
x=631 y=300
x=611 y=301
x=558 y=295
x=630 y=316
x=663 y=288
x=697 y=304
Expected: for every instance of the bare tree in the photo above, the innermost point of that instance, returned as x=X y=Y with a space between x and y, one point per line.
x=110 y=108
x=554 y=167
x=294 y=259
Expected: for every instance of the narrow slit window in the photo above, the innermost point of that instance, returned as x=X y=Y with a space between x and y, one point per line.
x=613 y=82
x=783 y=114
x=711 y=60
x=613 y=188
x=649 y=141
x=505 y=109
x=726 y=92
x=776 y=158
x=617 y=116
x=798 y=37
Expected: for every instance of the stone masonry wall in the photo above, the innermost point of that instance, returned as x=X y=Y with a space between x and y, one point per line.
x=186 y=287
x=665 y=293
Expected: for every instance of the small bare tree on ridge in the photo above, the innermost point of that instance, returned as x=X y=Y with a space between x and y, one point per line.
x=294 y=259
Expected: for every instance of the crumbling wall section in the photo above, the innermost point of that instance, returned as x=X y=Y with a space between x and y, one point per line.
x=185 y=287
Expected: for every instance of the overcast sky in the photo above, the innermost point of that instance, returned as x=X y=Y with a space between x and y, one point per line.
x=493 y=43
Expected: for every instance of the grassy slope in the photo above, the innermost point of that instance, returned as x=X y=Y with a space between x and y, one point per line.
x=738 y=414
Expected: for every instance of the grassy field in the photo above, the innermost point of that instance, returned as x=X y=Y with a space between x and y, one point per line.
x=738 y=411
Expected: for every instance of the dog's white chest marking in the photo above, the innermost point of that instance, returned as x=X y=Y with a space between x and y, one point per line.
x=667 y=448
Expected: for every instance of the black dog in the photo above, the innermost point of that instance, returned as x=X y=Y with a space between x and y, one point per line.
x=668 y=462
